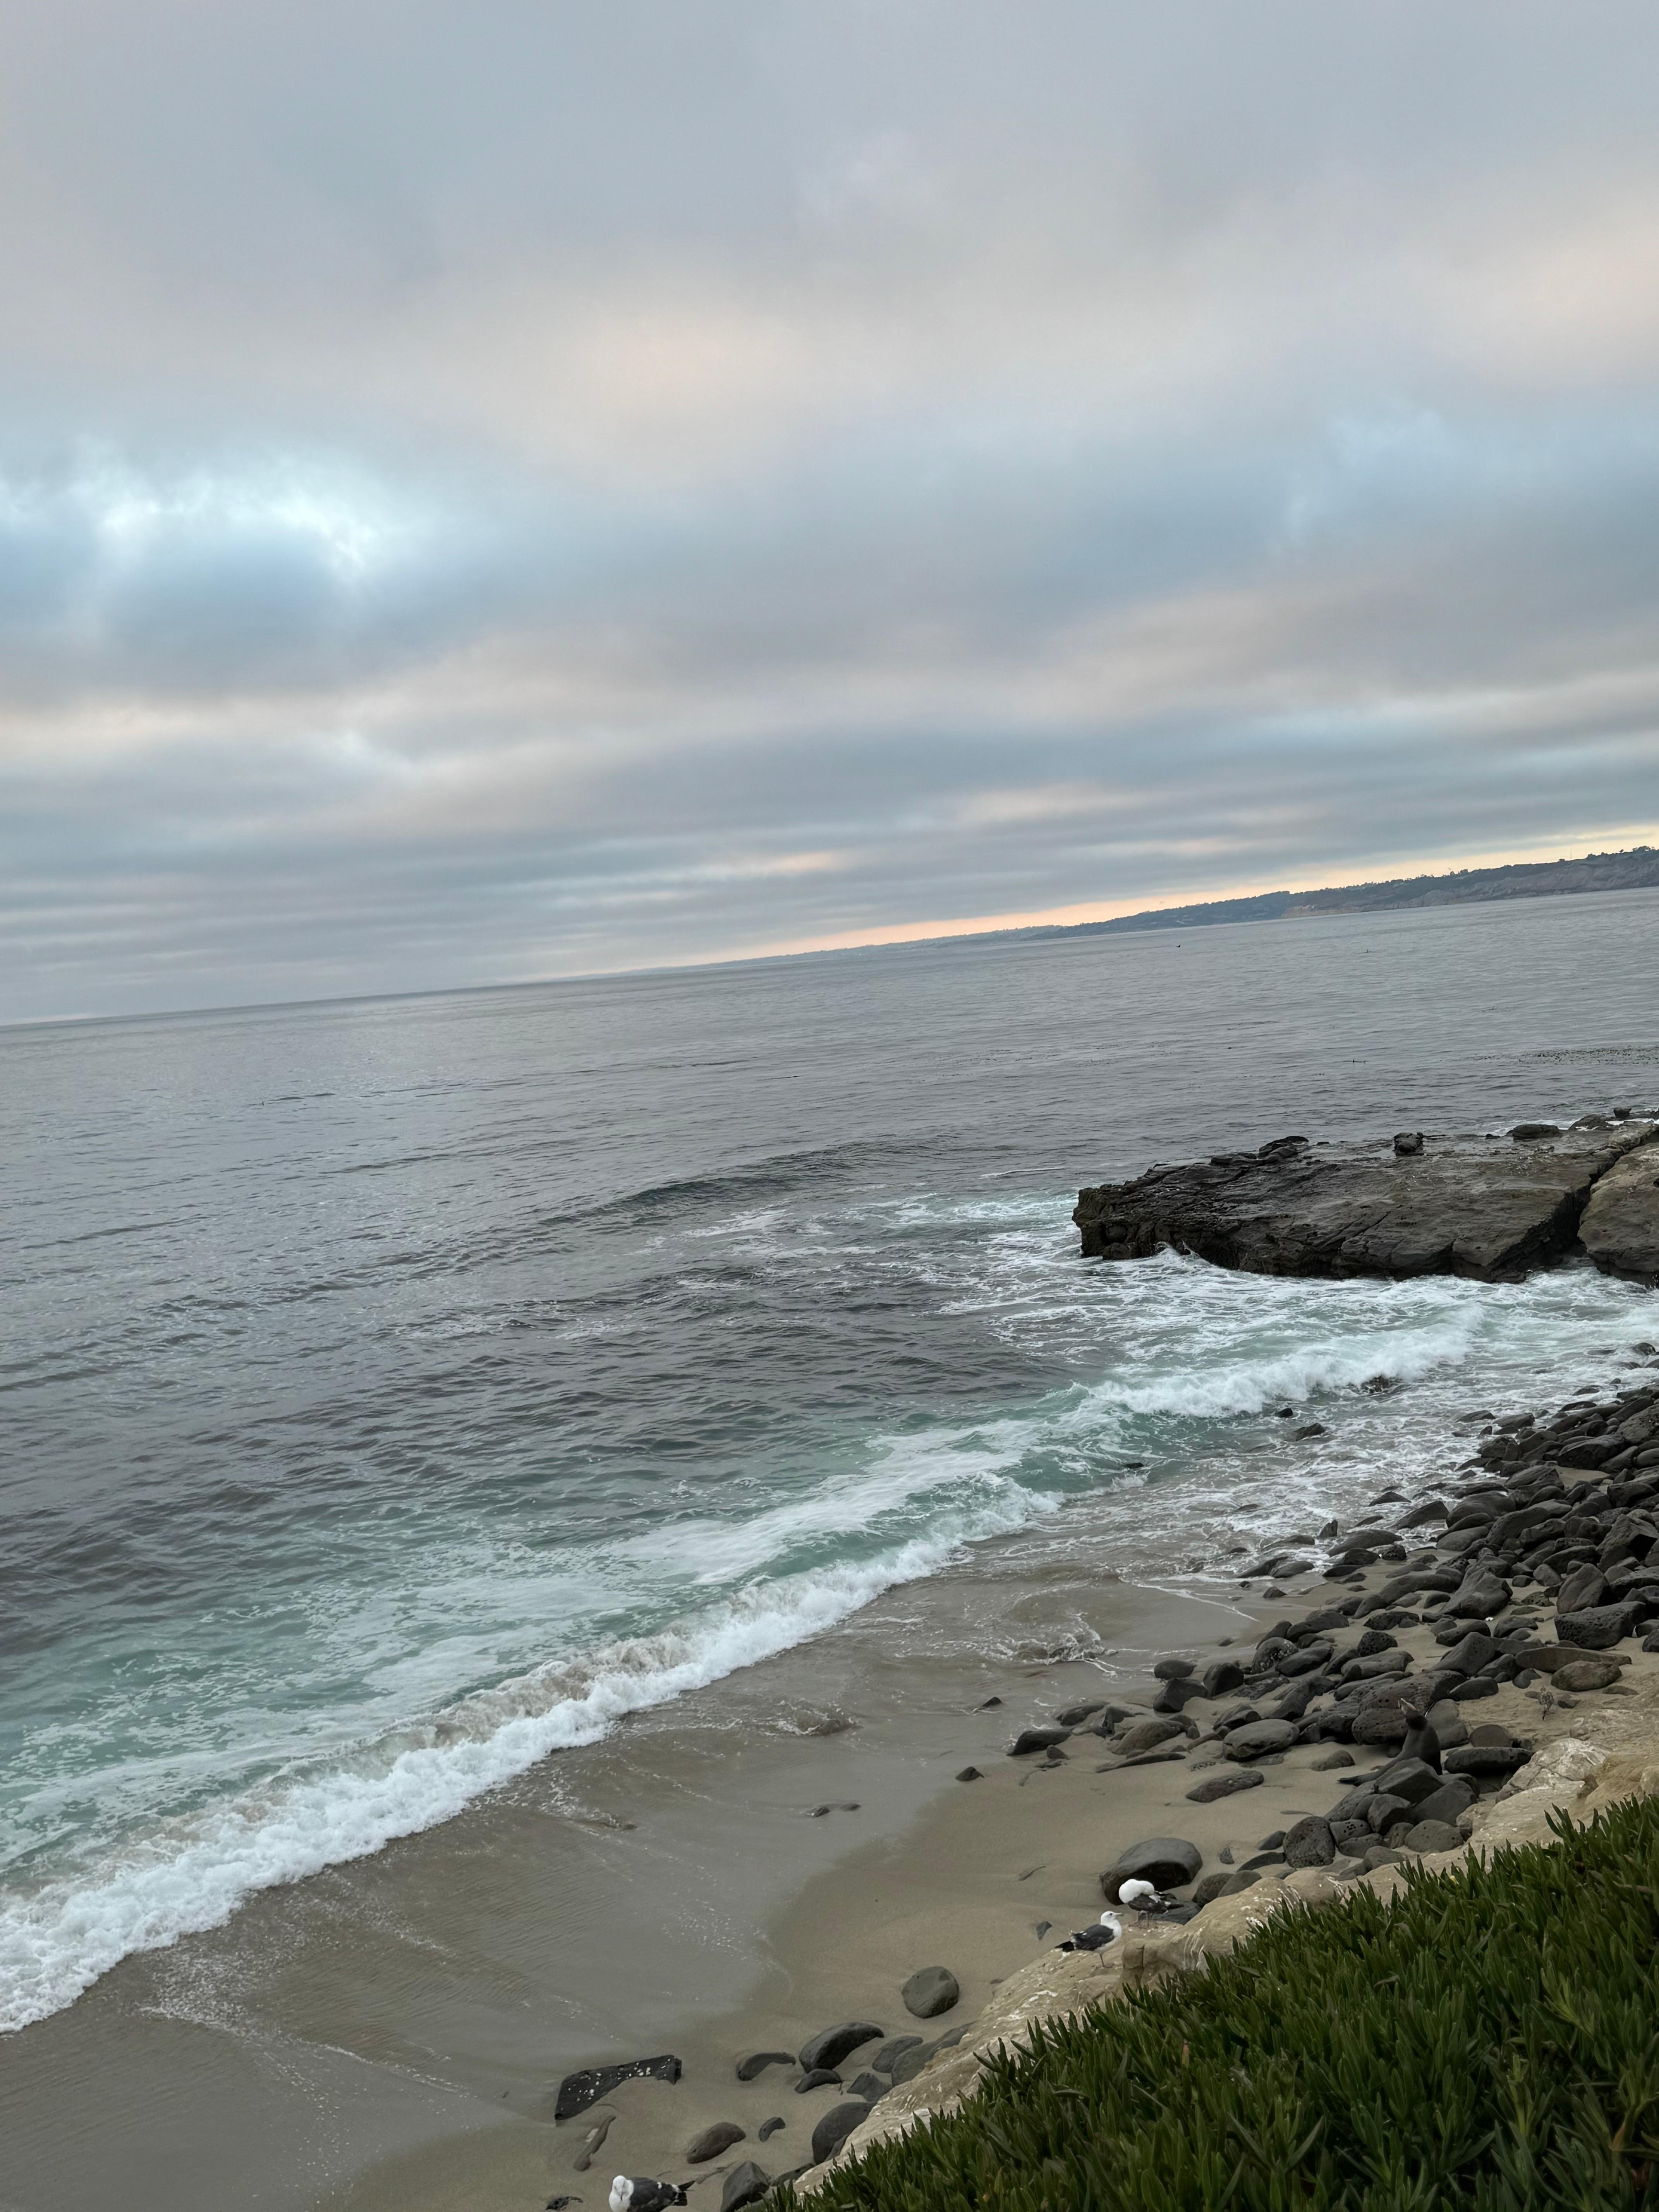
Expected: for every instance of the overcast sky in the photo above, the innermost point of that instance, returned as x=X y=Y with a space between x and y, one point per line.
x=508 y=488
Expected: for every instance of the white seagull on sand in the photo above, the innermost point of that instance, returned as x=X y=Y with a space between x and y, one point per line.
x=638 y=2193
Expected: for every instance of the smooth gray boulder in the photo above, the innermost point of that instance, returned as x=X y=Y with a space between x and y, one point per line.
x=1256 y=1739
x=1214 y=1786
x=834 y=2128
x=930 y=1992
x=579 y=2090
x=719 y=2136
x=1309 y=1843
x=1166 y=1861
x=746 y=2183
x=831 y=2044
x=1479 y=1206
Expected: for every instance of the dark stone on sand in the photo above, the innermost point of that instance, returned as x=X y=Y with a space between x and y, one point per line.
x=1310 y=1842
x=1175 y=1696
x=1224 y=1785
x=749 y=2068
x=1172 y=1671
x=1036 y=1739
x=988 y=1704
x=908 y=2068
x=1246 y=1878
x=1453 y=1797
x=1258 y=1738
x=817 y=2077
x=970 y=1774
x=834 y=2128
x=719 y=2136
x=1466 y=1208
x=1166 y=1861
x=579 y=2090
x=1222 y=1677
x=1587 y=1675
x=1211 y=1887
x=1432 y=1836
x=1331 y=1761
x=894 y=2048
x=1486 y=1761
x=831 y=2044
x=869 y=2085
x=1480 y=1599
x=1075 y=1715
x=769 y=2127
x=930 y=1992
x=1473 y=1687
x=1146 y=1735
x=1471 y=1653
x=1413 y=1779
x=1597 y=1628
x=746 y=2183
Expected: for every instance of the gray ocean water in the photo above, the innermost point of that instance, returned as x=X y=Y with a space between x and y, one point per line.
x=398 y=1391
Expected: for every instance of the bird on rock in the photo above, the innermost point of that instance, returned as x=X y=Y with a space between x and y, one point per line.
x=1146 y=1896
x=1106 y=1929
x=638 y=2193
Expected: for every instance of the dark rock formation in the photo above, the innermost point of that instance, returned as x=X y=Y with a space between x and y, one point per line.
x=719 y=2136
x=1486 y=1207
x=579 y=2090
x=930 y=1992
x=834 y=2128
x=831 y=2044
x=1620 y=1229
x=1166 y=1861
x=746 y=2183
x=751 y=2068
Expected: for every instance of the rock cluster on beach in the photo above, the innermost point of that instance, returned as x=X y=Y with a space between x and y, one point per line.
x=1491 y=1208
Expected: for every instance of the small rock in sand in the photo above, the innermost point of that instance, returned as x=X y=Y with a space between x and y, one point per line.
x=817 y=2077
x=970 y=1774
x=746 y=2183
x=769 y=2128
x=930 y=1992
x=751 y=2068
x=1585 y=1674
x=1036 y=1739
x=719 y=2136
x=1224 y=1785
x=831 y=2044
x=834 y=2128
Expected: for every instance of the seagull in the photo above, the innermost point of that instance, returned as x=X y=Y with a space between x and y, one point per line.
x=1147 y=1894
x=1106 y=1929
x=637 y=2193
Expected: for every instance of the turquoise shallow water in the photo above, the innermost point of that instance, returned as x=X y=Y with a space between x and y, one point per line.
x=398 y=1391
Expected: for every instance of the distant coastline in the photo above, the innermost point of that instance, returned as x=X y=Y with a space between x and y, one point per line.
x=1635 y=870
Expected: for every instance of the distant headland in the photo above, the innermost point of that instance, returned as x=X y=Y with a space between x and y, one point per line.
x=1636 y=870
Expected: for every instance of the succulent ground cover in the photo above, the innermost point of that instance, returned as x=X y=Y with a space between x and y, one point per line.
x=1487 y=2037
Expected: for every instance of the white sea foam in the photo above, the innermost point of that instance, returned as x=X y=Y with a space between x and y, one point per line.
x=192 y=1874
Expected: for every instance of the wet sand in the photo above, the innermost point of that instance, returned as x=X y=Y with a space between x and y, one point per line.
x=395 y=2030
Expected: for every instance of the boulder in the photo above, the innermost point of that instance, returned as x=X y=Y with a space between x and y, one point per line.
x=1486 y=1761
x=1174 y=1670
x=870 y=2086
x=1036 y=1739
x=1481 y=1596
x=1452 y=1797
x=1432 y=1836
x=1259 y=1738
x=1579 y=1674
x=1214 y=1786
x=891 y=2051
x=1166 y=1861
x=746 y=2183
x=820 y=2077
x=1146 y=1735
x=1309 y=1842
x=1222 y=1678
x=579 y=2090
x=719 y=2136
x=930 y=1992
x=1380 y=1723
x=749 y=2068
x=835 y=2126
x=831 y=2044
x=1597 y=1627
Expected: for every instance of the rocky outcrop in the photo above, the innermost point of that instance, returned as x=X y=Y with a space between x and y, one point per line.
x=1620 y=1229
x=1490 y=1208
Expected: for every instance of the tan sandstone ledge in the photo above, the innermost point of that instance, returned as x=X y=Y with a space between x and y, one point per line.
x=1613 y=1755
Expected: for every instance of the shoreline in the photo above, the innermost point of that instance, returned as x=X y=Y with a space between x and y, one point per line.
x=990 y=1872
x=676 y=1869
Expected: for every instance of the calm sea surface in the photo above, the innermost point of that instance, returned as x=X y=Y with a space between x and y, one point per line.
x=397 y=1391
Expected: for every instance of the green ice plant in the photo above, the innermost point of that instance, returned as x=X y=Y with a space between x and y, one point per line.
x=1488 y=2037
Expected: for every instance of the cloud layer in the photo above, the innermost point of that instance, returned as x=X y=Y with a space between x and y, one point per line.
x=491 y=495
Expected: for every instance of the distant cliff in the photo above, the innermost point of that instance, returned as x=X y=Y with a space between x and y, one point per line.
x=1637 y=870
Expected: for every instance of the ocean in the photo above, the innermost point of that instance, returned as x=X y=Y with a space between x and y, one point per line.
x=400 y=1392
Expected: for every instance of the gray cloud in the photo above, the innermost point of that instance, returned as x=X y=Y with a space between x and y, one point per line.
x=490 y=499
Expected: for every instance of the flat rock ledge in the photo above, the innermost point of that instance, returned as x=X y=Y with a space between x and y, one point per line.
x=1490 y=1207
x=1573 y=1774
